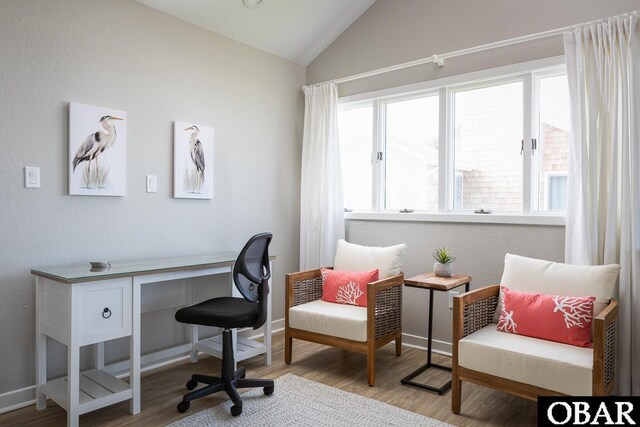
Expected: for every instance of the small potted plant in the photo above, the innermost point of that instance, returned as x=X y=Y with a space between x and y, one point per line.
x=444 y=260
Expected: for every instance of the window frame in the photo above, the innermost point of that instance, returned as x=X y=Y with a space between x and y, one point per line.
x=529 y=73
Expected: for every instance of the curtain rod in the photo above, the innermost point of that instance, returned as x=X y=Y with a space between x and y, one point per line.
x=439 y=59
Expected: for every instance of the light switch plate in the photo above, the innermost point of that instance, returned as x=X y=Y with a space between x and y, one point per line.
x=152 y=184
x=31 y=177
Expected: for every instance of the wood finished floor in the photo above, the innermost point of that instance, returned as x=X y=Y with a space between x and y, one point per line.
x=163 y=388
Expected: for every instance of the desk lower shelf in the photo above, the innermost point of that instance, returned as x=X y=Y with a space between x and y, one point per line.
x=246 y=348
x=97 y=390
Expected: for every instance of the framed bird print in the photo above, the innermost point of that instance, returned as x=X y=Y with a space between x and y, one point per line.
x=192 y=161
x=97 y=150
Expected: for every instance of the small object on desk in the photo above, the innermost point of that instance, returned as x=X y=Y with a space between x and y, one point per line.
x=100 y=264
x=433 y=283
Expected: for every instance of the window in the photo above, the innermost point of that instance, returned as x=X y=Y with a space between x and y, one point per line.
x=355 y=134
x=556 y=192
x=494 y=141
x=412 y=154
x=487 y=137
x=552 y=154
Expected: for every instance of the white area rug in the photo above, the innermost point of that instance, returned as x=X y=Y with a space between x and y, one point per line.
x=300 y=402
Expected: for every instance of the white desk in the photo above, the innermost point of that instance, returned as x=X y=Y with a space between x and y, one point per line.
x=78 y=307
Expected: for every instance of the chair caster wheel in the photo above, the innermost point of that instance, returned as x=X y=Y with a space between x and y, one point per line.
x=183 y=406
x=236 y=410
x=191 y=384
x=268 y=390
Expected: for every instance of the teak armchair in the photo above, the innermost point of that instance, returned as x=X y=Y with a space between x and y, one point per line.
x=383 y=316
x=531 y=367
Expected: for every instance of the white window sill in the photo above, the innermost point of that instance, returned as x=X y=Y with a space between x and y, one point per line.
x=459 y=217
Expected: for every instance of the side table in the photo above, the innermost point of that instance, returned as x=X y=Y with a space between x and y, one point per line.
x=433 y=283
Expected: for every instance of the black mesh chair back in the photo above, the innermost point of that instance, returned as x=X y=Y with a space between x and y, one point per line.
x=251 y=273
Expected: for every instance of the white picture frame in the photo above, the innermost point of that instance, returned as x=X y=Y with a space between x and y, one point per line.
x=193 y=159
x=97 y=150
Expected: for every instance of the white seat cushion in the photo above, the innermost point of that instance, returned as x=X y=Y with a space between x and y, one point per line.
x=524 y=274
x=336 y=320
x=352 y=257
x=554 y=366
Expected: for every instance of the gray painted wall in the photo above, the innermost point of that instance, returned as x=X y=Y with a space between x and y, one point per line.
x=392 y=32
x=124 y=55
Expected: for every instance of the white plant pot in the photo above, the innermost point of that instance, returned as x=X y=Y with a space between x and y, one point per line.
x=443 y=270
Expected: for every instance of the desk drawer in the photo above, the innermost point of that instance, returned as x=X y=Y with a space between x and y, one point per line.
x=105 y=310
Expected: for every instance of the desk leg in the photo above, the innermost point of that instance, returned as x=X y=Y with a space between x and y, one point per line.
x=134 y=370
x=234 y=342
x=267 y=326
x=98 y=355
x=194 y=341
x=41 y=349
x=73 y=360
x=193 y=329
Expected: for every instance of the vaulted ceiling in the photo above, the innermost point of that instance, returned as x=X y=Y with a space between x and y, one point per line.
x=297 y=30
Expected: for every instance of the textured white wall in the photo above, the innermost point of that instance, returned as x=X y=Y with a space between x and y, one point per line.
x=124 y=55
x=394 y=31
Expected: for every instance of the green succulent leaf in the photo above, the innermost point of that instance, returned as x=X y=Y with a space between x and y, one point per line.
x=443 y=256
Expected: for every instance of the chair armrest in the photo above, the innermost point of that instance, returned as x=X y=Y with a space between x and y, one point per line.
x=604 y=349
x=474 y=310
x=384 y=306
x=302 y=287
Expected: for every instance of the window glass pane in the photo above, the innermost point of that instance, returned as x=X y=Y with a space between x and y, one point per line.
x=557 y=192
x=356 y=139
x=554 y=141
x=488 y=130
x=412 y=154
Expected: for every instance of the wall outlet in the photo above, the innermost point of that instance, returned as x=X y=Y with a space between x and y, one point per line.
x=451 y=295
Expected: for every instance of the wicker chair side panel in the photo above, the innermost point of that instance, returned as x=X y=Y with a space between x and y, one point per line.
x=609 y=353
x=388 y=310
x=307 y=290
x=478 y=314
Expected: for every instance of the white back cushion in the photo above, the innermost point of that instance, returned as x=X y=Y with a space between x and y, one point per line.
x=524 y=274
x=352 y=257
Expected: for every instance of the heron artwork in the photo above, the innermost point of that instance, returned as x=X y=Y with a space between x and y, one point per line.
x=195 y=178
x=91 y=149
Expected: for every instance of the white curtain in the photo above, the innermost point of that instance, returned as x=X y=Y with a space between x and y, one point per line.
x=603 y=215
x=321 y=202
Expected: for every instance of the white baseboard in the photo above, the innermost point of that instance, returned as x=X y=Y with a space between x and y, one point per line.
x=17 y=399
x=415 y=341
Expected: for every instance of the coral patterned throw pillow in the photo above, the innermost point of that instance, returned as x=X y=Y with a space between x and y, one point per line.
x=550 y=317
x=347 y=287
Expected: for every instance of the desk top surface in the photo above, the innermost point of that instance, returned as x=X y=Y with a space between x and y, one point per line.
x=84 y=273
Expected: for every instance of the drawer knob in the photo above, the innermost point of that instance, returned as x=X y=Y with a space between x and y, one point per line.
x=106 y=313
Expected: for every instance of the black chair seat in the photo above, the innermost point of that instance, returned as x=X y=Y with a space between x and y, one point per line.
x=224 y=312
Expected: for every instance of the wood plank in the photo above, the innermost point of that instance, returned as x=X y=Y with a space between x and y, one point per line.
x=106 y=380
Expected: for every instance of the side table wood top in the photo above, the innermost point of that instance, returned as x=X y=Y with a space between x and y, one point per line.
x=431 y=281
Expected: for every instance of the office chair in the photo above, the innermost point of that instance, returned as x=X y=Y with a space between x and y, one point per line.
x=251 y=275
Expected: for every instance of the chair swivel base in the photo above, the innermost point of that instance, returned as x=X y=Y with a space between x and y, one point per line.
x=229 y=382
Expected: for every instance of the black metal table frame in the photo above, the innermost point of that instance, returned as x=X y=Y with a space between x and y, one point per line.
x=408 y=379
